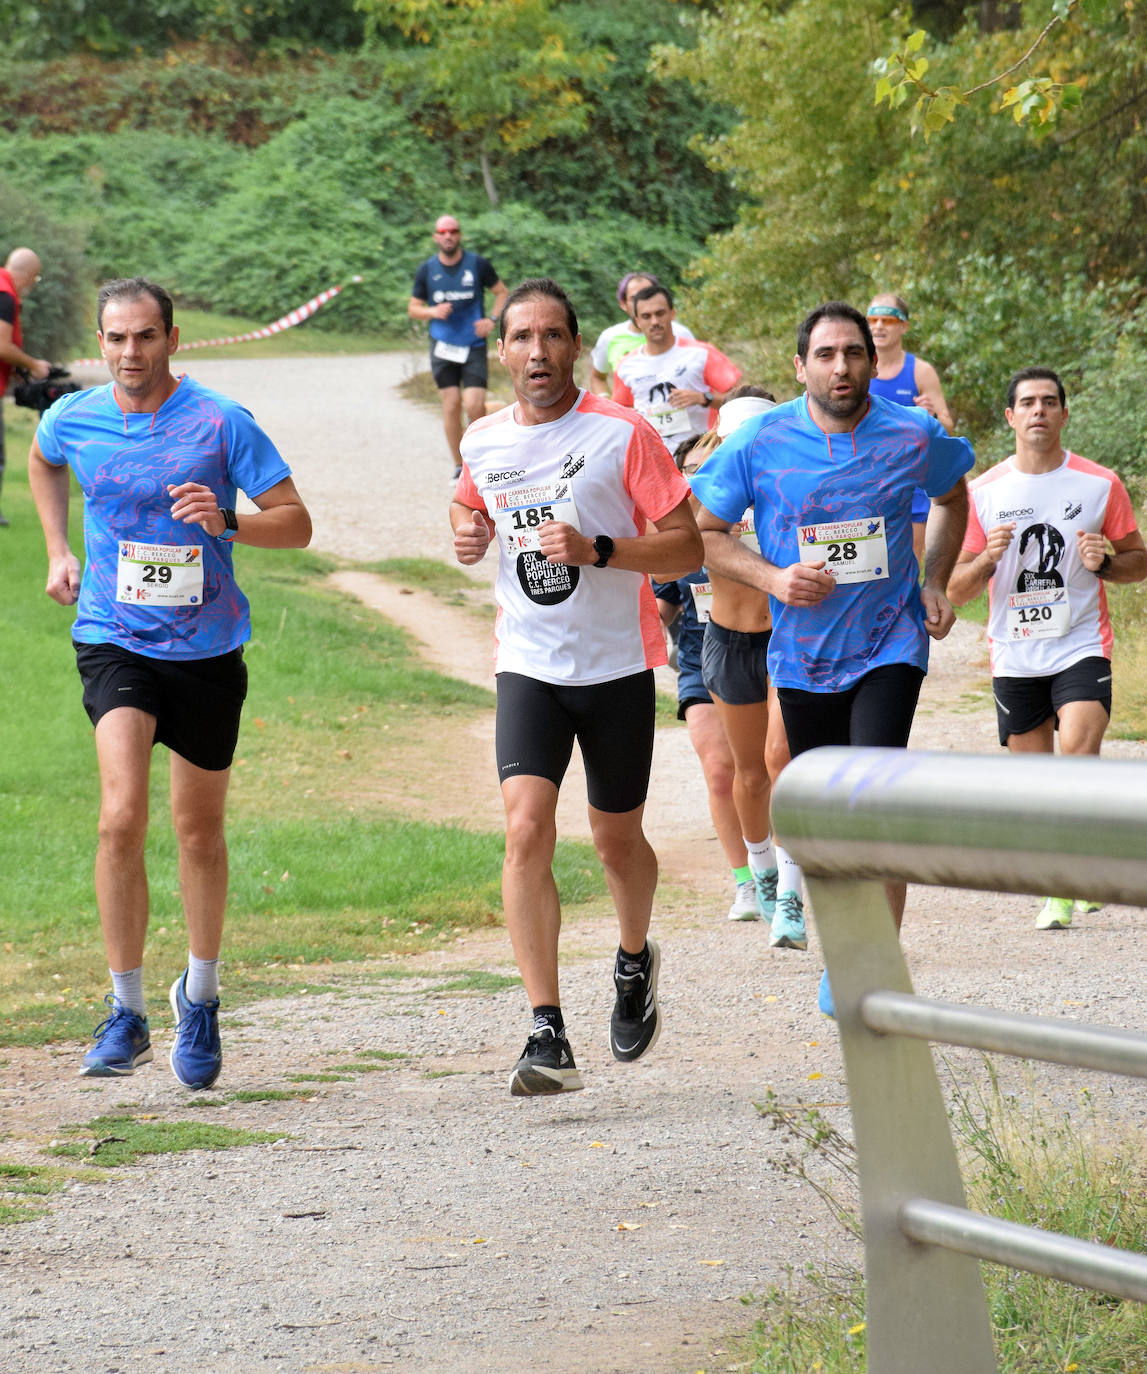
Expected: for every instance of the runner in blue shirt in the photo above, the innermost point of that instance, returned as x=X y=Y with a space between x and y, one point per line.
x=830 y=476
x=449 y=290
x=158 y=635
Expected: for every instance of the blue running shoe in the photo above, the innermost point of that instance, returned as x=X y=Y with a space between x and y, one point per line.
x=123 y=1042
x=766 y=884
x=824 y=997
x=196 y=1054
x=788 y=930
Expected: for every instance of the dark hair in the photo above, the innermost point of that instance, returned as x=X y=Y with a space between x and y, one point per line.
x=648 y=292
x=538 y=286
x=1034 y=374
x=131 y=289
x=833 y=310
x=751 y=389
x=623 y=284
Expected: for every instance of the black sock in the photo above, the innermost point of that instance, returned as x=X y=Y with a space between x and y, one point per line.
x=628 y=964
x=549 y=1016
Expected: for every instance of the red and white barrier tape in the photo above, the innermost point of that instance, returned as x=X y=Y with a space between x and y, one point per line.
x=287 y=321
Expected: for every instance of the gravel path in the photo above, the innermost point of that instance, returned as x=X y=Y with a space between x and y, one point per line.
x=419 y=1218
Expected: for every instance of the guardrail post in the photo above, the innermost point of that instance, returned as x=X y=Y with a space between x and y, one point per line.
x=927 y=1311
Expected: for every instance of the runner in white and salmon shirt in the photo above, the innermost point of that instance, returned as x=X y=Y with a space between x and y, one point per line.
x=581 y=500
x=677 y=385
x=1039 y=525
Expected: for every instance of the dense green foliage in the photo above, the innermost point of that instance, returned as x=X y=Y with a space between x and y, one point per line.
x=1012 y=245
x=51 y=316
x=248 y=181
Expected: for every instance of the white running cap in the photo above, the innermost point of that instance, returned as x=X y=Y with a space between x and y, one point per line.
x=734 y=413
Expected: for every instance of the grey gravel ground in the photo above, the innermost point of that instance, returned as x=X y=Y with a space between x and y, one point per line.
x=417 y=1217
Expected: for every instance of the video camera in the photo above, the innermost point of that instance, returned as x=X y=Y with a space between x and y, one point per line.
x=39 y=393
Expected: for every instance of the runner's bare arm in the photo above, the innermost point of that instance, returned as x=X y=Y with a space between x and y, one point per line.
x=800 y=584
x=974 y=571
x=930 y=394
x=419 y=310
x=282 y=521
x=599 y=382
x=947 y=522
x=673 y=549
x=1128 y=563
x=50 y=488
x=472 y=532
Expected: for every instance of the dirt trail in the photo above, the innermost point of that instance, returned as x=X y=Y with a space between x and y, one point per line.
x=417 y=1217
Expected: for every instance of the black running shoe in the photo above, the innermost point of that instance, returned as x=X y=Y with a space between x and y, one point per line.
x=636 y=1020
x=546 y=1066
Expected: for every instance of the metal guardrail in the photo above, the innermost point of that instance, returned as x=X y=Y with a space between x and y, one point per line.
x=855 y=818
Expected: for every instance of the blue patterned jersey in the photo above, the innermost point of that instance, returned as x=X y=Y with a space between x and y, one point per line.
x=124 y=463
x=797 y=477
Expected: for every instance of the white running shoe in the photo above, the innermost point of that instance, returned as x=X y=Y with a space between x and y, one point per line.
x=744 y=906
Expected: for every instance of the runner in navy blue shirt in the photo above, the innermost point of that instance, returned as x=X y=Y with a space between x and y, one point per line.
x=449 y=291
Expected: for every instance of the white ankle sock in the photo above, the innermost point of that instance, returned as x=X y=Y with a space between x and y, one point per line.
x=761 y=855
x=128 y=989
x=202 y=979
x=789 y=871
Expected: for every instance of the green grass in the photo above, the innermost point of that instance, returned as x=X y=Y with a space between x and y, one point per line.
x=32 y=1181
x=1018 y=1165
x=108 y=1141
x=443 y=580
x=321 y=874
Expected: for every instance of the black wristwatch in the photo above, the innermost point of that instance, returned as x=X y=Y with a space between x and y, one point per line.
x=604 y=547
x=230 y=524
x=707 y=399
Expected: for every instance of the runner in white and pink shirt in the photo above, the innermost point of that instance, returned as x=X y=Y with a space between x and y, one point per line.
x=677 y=385
x=581 y=500
x=1039 y=526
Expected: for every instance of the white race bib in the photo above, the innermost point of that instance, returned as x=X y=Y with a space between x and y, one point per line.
x=160 y=574
x=748 y=531
x=851 y=550
x=702 y=600
x=1045 y=614
x=669 y=422
x=451 y=353
x=518 y=513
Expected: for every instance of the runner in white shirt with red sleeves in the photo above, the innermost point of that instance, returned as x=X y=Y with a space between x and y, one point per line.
x=1038 y=528
x=581 y=501
x=677 y=386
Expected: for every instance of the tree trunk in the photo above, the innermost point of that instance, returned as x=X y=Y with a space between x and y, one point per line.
x=488 y=177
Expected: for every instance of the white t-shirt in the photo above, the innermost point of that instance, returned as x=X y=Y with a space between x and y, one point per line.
x=1046 y=610
x=603 y=470
x=645 y=381
x=605 y=352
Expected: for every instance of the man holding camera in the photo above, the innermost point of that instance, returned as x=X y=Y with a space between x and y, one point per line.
x=17 y=277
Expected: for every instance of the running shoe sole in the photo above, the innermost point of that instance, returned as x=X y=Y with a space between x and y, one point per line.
x=535 y=1080
x=116 y=1071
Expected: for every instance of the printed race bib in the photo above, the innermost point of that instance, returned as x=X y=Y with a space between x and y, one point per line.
x=702 y=600
x=518 y=514
x=451 y=353
x=669 y=422
x=1044 y=614
x=160 y=574
x=747 y=530
x=852 y=550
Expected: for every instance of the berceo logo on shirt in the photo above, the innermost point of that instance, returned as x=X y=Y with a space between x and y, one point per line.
x=510 y=475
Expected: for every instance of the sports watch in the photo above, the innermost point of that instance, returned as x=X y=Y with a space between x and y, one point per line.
x=604 y=547
x=230 y=524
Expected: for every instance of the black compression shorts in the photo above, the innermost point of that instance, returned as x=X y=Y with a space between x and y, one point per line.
x=1024 y=703
x=473 y=372
x=875 y=712
x=612 y=722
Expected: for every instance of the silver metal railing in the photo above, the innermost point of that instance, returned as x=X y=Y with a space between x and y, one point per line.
x=856 y=818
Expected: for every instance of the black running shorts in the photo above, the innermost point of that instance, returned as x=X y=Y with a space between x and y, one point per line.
x=1024 y=703
x=612 y=722
x=196 y=702
x=875 y=712
x=473 y=372
x=735 y=664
